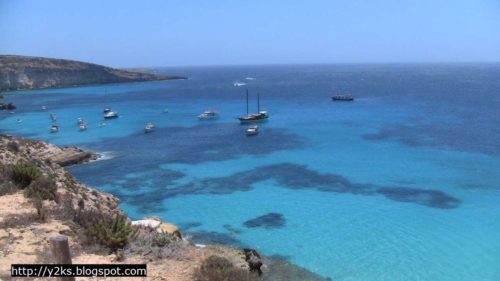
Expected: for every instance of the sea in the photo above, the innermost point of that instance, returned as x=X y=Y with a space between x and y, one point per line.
x=401 y=184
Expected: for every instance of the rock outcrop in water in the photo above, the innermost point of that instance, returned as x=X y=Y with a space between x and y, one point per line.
x=22 y=72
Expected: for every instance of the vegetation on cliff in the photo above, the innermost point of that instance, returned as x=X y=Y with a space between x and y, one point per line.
x=23 y=72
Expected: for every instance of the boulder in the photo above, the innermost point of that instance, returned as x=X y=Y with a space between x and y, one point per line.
x=171 y=229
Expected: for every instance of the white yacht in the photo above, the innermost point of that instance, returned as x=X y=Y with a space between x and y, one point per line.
x=110 y=115
x=54 y=129
x=209 y=114
x=252 y=130
x=150 y=127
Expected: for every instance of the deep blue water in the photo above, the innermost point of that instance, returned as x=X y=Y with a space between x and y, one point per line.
x=402 y=184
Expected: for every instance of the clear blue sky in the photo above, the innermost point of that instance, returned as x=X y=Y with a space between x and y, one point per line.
x=220 y=32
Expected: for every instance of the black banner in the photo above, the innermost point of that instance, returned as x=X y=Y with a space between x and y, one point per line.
x=82 y=270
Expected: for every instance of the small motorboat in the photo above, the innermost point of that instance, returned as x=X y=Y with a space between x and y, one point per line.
x=53 y=116
x=44 y=107
x=83 y=126
x=252 y=130
x=238 y=84
x=250 y=78
x=102 y=124
x=19 y=121
x=150 y=127
x=209 y=114
x=54 y=129
x=110 y=115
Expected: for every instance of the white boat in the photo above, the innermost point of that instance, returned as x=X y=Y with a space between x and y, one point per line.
x=238 y=84
x=250 y=78
x=83 y=126
x=209 y=114
x=110 y=115
x=54 y=129
x=252 y=130
x=102 y=124
x=150 y=127
x=19 y=121
x=44 y=107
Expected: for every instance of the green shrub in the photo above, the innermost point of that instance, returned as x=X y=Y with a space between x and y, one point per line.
x=216 y=268
x=41 y=187
x=24 y=173
x=111 y=232
x=81 y=203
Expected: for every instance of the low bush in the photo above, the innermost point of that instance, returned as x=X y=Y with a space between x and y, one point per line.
x=6 y=184
x=157 y=246
x=111 y=232
x=216 y=268
x=41 y=187
x=23 y=173
x=13 y=146
x=41 y=212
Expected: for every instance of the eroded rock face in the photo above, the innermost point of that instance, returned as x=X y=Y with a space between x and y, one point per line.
x=20 y=72
x=254 y=260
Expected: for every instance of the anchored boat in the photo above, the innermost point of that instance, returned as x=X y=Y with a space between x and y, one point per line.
x=254 y=117
x=343 y=98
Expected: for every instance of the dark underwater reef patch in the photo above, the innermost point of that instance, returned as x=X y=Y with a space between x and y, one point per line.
x=269 y=221
x=431 y=198
x=293 y=176
x=286 y=175
x=459 y=136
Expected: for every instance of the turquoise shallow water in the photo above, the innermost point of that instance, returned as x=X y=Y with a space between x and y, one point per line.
x=402 y=184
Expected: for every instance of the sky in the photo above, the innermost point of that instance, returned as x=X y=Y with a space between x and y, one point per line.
x=154 y=33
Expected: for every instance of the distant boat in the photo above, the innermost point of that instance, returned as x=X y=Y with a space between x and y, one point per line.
x=83 y=126
x=19 y=121
x=53 y=116
x=150 y=127
x=44 y=107
x=254 y=117
x=238 y=84
x=165 y=110
x=209 y=114
x=102 y=124
x=343 y=98
x=54 y=129
x=252 y=130
x=111 y=115
x=79 y=120
x=250 y=78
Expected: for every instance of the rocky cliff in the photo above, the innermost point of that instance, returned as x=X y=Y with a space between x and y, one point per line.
x=21 y=72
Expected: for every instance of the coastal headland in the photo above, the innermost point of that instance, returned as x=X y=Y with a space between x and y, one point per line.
x=25 y=72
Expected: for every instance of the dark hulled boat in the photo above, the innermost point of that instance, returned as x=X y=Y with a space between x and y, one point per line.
x=343 y=98
x=254 y=117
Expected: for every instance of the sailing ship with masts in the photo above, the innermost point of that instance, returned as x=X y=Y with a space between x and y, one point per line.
x=254 y=117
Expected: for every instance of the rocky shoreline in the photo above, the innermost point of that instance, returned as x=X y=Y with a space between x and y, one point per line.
x=25 y=234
